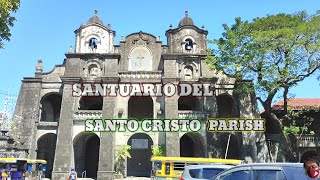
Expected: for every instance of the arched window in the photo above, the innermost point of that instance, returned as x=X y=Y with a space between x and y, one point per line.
x=93 y=43
x=189 y=103
x=188 y=44
x=50 y=107
x=140 y=59
x=91 y=103
x=225 y=104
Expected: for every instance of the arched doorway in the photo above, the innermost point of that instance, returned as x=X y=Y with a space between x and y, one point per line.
x=230 y=149
x=140 y=107
x=192 y=145
x=139 y=164
x=86 y=154
x=46 y=150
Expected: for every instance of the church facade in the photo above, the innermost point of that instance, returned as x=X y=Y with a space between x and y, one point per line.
x=52 y=120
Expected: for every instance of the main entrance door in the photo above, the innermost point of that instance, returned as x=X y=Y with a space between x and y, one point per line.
x=139 y=164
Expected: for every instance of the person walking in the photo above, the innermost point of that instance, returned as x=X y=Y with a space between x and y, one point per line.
x=73 y=175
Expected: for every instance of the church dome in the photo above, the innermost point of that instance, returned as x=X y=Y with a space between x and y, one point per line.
x=186 y=21
x=95 y=19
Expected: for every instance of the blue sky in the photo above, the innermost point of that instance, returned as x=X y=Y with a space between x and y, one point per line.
x=45 y=29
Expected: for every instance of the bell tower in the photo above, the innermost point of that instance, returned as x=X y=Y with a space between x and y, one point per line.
x=94 y=37
x=187 y=38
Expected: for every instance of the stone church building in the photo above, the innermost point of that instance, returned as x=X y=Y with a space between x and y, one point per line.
x=52 y=120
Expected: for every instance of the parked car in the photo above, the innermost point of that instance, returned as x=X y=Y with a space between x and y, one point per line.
x=264 y=171
x=202 y=171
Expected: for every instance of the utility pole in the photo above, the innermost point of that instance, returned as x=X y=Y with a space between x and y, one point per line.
x=227 y=148
x=6 y=114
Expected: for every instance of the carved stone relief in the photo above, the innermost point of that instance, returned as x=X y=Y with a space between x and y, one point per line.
x=92 y=70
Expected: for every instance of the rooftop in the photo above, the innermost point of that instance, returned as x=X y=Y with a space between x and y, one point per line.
x=95 y=19
x=297 y=103
x=186 y=21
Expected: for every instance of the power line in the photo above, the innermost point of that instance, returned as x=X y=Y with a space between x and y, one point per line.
x=6 y=93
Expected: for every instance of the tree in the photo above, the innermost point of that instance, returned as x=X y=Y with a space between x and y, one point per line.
x=122 y=153
x=6 y=20
x=276 y=52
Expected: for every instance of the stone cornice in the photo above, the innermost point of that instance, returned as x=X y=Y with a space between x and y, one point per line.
x=208 y=80
x=94 y=55
x=71 y=80
x=171 y=79
x=176 y=30
x=32 y=79
x=98 y=25
x=114 y=79
x=174 y=56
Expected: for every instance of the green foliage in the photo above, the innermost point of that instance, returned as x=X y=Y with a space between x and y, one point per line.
x=122 y=153
x=304 y=118
x=6 y=19
x=158 y=150
x=295 y=130
x=276 y=51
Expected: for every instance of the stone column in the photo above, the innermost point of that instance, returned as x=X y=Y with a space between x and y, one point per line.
x=171 y=107
x=107 y=143
x=172 y=138
x=212 y=108
x=27 y=114
x=63 y=155
x=107 y=139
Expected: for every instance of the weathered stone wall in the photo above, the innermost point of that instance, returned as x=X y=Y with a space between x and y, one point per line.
x=27 y=114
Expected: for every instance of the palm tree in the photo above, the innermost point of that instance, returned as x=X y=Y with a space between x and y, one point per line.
x=122 y=153
x=158 y=150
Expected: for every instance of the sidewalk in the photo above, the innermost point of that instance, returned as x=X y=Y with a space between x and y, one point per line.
x=136 y=178
x=127 y=178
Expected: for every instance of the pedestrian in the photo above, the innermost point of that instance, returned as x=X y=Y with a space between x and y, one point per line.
x=73 y=175
x=311 y=165
x=4 y=175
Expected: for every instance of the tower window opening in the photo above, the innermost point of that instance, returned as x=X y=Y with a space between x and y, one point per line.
x=188 y=72
x=93 y=43
x=188 y=44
